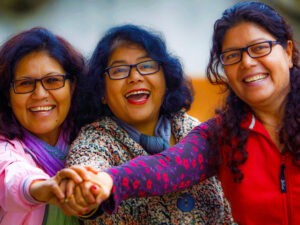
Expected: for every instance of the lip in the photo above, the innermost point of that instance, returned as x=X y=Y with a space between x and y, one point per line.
x=255 y=77
x=140 y=101
x=137 y=91
x=41 y=108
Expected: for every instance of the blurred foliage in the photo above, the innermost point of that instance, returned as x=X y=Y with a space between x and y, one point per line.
x=290 y=9
x=20 y=6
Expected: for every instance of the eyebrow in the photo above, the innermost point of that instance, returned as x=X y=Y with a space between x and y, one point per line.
x=45 y=75
x=253 y=42
x=123 y=62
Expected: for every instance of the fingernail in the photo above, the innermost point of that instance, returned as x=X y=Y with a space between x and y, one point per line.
x=94 y=187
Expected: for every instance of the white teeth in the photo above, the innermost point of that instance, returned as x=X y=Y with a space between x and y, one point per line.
x=255 y=78
x=41 y=108
x=137 y=92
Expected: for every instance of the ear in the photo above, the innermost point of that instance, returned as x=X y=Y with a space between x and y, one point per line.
x=289 y=52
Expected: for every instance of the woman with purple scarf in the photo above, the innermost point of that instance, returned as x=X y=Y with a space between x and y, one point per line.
x=39 y=99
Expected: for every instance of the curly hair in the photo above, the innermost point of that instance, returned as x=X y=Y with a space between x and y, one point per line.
x=179 y=91
x=234 y=109
x=34 y=40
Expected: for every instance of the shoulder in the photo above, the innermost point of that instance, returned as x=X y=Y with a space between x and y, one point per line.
x=101 y=134
x=184 y=118
x=182 y=123
x=14 y=145
x=104 y=123
x=13 y=151
x=101 y=128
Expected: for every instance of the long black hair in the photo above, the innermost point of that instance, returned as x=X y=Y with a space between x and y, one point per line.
x=20 y=45
x=235 y=109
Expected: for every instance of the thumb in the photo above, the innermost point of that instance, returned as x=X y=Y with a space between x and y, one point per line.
x=95 y=189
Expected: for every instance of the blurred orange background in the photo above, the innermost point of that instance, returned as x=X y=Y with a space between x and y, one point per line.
x=207 y=98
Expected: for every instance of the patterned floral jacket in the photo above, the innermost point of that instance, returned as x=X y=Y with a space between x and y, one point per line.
x=103 y=144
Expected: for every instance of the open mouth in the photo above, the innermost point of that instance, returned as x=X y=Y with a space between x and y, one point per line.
x=255 y=78
x=41 y=108
x=138 y=96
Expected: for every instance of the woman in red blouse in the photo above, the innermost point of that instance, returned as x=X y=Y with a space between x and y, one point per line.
x=253 y=142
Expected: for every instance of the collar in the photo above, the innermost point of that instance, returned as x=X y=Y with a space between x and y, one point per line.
x=251 y=123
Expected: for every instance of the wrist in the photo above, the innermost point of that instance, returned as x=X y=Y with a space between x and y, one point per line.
x=36 y=191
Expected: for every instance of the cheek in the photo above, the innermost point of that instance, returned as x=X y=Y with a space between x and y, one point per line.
x=159 y=93
x=231 y=73
x=113 y=90
x=159 y=82
x=18 y=104
x=65 y=100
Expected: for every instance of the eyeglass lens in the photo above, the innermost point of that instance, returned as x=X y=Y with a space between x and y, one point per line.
x=123 y=71
x=49 y=83
x=254 y=51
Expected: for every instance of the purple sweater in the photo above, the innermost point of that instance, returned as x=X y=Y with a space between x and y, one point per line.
x=151 y=175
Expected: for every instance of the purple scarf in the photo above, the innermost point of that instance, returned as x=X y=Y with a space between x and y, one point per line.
x=50 y=158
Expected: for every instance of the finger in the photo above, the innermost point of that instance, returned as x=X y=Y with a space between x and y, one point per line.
x=69 y=174
x=71 y=205
x=95 y=190
x=91 y=169
x=84 y=173
x=63 y=186
x=70 y=188
x=102 y=195
x=68 y=210
x=86 y=191
x=79 y=197
x=105 y=183
x=55 y=189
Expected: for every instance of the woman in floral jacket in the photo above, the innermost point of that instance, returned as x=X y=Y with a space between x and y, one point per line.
x=144 y=96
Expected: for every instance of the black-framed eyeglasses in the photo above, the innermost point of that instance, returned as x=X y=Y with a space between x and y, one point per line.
x=122 y=71
x=27 y=85
x=254 y=51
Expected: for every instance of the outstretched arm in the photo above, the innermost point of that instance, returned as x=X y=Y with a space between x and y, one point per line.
x=179 y=167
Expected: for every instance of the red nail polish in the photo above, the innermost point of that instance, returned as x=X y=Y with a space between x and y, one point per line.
x=94 y=187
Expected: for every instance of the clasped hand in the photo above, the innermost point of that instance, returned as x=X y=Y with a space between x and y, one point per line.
x=76 y=190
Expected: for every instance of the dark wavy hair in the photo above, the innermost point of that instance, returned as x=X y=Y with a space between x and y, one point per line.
x=235 y=109
x=35 y=40
x=179 y=93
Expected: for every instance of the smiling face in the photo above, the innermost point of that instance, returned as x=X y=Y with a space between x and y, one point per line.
x=41 y=112
x=136 y=99
x=260 y=82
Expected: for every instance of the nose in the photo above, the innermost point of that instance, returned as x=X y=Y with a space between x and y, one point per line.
x=247 y=60
x=134 y=75
x=39 y=91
